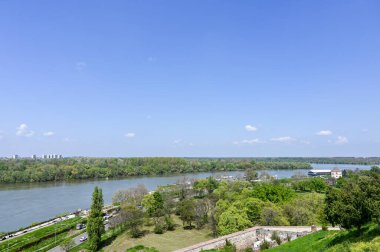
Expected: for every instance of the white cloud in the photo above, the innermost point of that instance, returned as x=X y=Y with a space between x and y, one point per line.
x=130 y=135
x=80 y=65
x=177 y=141
x=48 y=133
x=305 y=142
x=181 y=142
x=341 y=140
x=66 y=139
x=324 y=133
x=364 y=130
x=1 y=135
x=249 y=141
x=285 y=139
x=23 y=130
x=249 y=127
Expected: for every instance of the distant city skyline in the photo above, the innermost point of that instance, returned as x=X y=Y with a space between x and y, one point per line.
x=190 y=79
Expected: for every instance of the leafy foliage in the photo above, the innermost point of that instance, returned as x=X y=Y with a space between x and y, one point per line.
x=95 y=226
x=233 y=220
x=28 y=170
x=273 y=193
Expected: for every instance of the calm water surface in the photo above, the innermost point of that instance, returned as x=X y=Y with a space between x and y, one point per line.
x=22 y=204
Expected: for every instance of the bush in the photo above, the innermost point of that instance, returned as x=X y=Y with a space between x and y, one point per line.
x=229 y=247
x=265 y=245
x=276 y=237
x=170 y=225
x=288 y=237
x=325 y=228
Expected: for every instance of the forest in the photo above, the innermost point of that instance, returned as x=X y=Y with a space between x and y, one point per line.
x=43 y=170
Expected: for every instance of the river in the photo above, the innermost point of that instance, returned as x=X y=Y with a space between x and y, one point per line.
x=22 y=204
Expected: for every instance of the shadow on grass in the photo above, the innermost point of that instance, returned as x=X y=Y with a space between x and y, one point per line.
x=366 y=234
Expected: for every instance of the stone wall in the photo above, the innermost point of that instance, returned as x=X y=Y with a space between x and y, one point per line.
x=248 y=237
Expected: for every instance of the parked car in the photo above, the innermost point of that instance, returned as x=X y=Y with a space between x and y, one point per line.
x=80 y=226
x=83 y=238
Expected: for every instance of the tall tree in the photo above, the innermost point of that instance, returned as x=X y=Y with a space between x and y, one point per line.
x=250 y=174
x=187 y=211
x=348 y=206
x=95 y=226
x=134 y=219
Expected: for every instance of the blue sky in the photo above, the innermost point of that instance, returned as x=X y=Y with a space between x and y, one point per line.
x=190 y=78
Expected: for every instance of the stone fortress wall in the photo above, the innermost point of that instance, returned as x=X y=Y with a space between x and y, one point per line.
x=251 y=237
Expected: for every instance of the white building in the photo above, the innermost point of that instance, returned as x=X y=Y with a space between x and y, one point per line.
x=336 y=173
x=315 y=172
x=52 y=156
x=15 y=156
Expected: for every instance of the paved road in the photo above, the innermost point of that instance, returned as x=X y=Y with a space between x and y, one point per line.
x=39 y=226
x=75 y=239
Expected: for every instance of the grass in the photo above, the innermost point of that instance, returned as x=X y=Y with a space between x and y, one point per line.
x=335 y=241
x=141 y=248
x=40 y=238
x=169 y=241
x=52 y=242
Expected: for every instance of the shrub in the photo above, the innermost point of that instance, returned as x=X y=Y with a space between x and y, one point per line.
x=276 y=237
x=160 y=226
x=229 y=247
x=265 y=245
x=170 y=225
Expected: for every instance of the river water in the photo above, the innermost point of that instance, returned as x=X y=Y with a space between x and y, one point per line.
x=22 y=204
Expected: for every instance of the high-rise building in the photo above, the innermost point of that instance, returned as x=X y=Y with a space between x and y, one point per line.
x=34 y=156
x=15 y=156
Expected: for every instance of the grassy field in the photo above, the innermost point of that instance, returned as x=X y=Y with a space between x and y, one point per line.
x=334 y=241
x=169 y=241
x=41 y=238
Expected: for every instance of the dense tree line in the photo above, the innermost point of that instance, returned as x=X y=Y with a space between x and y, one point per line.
x=28 y=170
x=326 y=160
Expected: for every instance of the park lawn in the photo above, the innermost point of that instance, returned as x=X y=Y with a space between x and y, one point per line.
x=334 y=241
x=169 y=241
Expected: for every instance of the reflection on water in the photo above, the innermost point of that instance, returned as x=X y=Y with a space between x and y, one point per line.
x=22 y=204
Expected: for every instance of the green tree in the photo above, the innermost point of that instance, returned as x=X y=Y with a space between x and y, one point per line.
x=272 y=216
x=211 y=185
x=187 y=211
x=95 y=226
x=133 y=219
x=250 y=174
x=371 y=187
x=254 y=208
x=201 y=213
x=348 y=206
x=273 y=193
x=318 y=184
x=154 y=204
x=233 y=220
x=158 y=204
